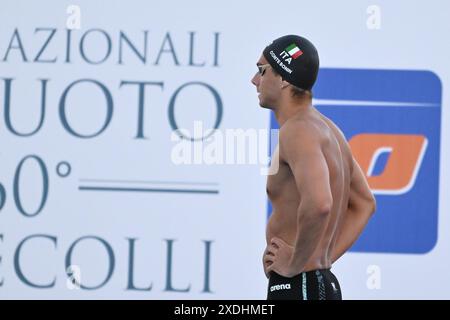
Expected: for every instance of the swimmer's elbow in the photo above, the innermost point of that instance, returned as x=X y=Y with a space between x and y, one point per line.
x=321 y=209
x=315 y=206
x=370 y=206
x=324 y=209
x=373 y=206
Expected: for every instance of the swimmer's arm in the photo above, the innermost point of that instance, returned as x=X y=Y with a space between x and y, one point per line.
x=361 y=206
x=303 y=151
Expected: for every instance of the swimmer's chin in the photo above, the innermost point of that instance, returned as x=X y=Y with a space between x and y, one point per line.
x=264 y=106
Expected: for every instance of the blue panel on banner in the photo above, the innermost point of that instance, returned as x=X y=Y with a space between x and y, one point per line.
x=390 y=102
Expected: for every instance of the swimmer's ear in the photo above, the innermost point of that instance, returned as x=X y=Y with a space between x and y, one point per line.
x=284 y=84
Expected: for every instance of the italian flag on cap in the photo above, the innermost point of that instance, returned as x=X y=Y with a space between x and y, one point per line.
x=294 y=51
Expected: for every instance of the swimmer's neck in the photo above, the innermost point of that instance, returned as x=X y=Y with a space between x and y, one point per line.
x=293 y=108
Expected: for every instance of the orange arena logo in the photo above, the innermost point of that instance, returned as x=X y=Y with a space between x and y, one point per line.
x=405 y=154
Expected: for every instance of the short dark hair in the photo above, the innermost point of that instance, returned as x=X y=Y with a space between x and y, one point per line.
x=300 y=93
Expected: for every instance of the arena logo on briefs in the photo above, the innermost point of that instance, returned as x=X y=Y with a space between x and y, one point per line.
x=391 y=119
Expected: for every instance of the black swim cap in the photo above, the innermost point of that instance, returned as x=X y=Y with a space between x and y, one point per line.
x=295 y=59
